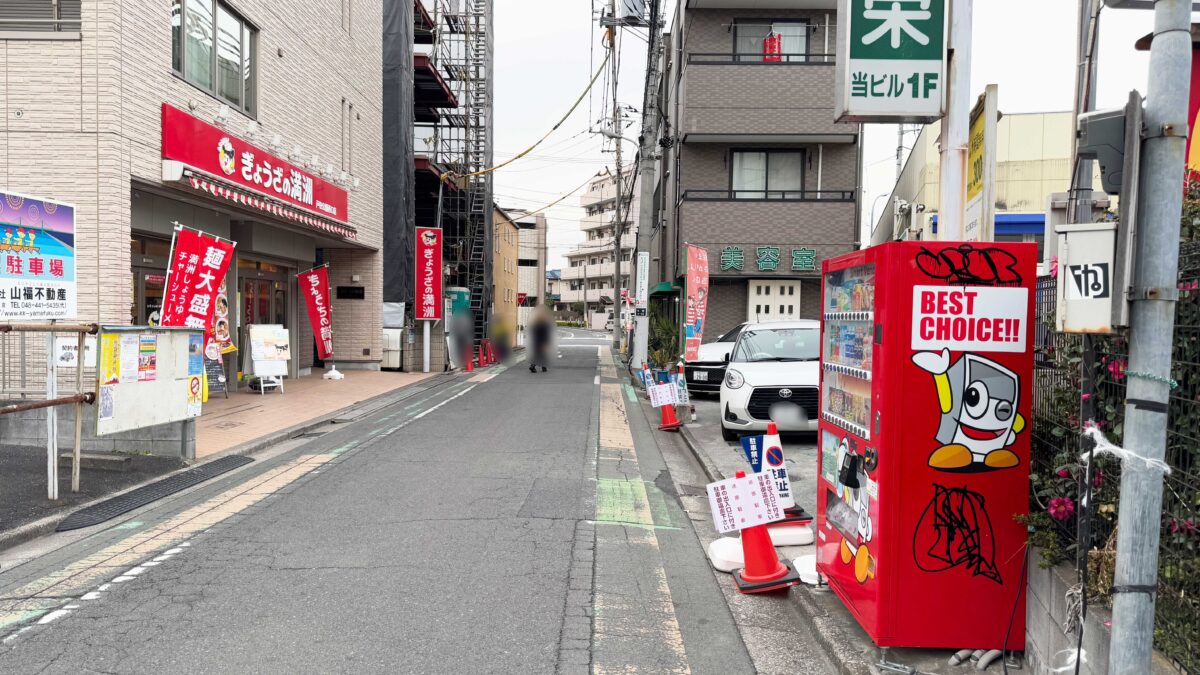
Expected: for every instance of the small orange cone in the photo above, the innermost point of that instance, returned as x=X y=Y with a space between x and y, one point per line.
x=470 y=366
x=669 y=421
x=491 y=354
x=764 y=570
x=482 y=358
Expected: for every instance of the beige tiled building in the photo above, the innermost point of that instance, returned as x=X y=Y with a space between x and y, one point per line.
x=294 y=83
x=506 y=243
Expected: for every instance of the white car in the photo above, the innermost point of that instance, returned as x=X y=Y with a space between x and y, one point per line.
x=704 y=375
x=773 y=374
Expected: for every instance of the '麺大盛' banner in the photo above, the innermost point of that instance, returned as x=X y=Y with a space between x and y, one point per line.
x=198 y=265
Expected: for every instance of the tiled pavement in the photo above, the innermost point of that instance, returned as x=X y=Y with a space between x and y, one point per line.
x=246 y=416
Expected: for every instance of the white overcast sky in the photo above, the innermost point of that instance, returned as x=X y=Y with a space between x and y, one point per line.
x=546 y=51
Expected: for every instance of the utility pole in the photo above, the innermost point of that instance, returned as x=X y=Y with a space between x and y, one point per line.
x=646 y=170
x=956 y=125
x=618 y=226
x=1152 y=326
x=899 y=153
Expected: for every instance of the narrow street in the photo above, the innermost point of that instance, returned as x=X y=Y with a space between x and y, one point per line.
x=501 y=522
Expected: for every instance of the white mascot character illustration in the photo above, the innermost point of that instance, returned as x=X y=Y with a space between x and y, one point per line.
x=979 y=418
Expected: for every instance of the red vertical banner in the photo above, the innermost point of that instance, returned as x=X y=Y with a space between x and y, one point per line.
x=773 y=48
x=195 y=272
x=1193 y=150
x=314 y=286
x=697 y=300
x=429 y=274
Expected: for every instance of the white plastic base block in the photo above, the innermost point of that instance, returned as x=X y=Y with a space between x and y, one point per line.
x=806 y=566
x=333 y=374
x=725 y=554
x=790 y=535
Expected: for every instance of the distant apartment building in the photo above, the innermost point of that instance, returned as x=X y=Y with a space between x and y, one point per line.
x=505 y=266
x=1033 y=174
x=754 y=169
x=588 y=277
x=531 y=265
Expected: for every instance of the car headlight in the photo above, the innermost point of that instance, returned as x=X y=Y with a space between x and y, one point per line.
x=734 y=379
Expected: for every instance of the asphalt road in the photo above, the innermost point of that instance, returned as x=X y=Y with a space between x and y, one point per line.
x=496 y=523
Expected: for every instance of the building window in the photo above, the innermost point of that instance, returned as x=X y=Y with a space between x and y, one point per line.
x=768 y=174
x=788 y=41
x=40 y=16
x=213 y=49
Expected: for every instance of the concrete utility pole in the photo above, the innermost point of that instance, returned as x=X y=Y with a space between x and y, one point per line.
x=618 y=226
x=956 y=126
x=1152 y=327
x=646 y=213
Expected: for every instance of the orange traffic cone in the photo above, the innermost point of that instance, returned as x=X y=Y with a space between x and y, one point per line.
x=491 y=352
x=468 y=361
x=669 y=421
x=764 y=570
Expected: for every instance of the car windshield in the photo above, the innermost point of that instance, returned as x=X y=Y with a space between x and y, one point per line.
x=778 y=344
x=731 y=335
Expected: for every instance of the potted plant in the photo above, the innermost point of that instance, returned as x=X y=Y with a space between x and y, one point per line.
x=664 y=347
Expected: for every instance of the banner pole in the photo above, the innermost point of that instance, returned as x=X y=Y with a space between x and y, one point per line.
x=425 y=347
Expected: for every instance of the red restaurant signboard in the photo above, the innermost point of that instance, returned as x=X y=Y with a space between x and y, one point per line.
x=198 y=265
x=210 y=150
x=429 y=274
x=314 y=284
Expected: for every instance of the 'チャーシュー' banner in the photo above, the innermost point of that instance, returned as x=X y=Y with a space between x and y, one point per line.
x=697 y=300
x=197 y=266
x=429 y=274
x=314 y=285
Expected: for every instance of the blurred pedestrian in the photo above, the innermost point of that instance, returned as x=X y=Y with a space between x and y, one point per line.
x=541 y=333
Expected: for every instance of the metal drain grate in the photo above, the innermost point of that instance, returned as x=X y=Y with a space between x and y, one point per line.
x=111 y=508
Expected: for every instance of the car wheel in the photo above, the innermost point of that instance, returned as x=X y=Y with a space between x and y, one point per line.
x=729 y=435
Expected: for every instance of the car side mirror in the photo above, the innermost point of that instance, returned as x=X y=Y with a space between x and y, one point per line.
x=726 y=357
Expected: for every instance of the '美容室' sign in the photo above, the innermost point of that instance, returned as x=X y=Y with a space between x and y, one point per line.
x=213 y=151
x=891 y=61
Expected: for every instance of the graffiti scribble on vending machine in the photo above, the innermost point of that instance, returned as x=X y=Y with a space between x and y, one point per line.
x=955 y=530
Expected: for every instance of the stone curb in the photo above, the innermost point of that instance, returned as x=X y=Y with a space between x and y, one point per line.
x=839 y=648
x=47 y=525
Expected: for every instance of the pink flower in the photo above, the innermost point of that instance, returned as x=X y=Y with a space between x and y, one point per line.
x=1086 y=397
x=1063 y=473
x=1061 y=508
x=1116 y=368
x=1054 y=266
x=1098 y=478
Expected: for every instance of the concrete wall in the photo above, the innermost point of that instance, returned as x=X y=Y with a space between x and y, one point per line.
x=1047 y=646
x=28 y=429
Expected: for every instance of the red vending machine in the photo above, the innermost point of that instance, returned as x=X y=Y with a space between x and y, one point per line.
x=924 y=440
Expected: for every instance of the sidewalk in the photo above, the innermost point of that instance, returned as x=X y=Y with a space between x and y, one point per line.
x=845 y=643
x=244 y=417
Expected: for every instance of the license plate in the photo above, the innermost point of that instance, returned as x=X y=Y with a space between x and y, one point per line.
x=700 y=376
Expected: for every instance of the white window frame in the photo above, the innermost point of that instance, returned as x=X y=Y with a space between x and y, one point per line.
x=249 y=33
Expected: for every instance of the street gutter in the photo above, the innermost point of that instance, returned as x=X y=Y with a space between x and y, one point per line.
x=817 y=608
x=48 y=524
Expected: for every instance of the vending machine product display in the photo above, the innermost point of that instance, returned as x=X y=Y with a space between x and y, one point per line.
x=926 y=372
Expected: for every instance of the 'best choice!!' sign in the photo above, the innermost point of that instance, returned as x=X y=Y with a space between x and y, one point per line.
x=970 y=318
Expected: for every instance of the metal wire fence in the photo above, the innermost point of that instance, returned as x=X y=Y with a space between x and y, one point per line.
x=1061 y=386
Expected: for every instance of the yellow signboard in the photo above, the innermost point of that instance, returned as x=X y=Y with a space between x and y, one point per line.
x=975 y=153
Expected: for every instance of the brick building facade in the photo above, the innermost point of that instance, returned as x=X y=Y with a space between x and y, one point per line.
x=83 y=120
x=754 y=168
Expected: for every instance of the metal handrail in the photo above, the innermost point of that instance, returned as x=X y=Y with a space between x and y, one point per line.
x=769 y=195
x=808 y=58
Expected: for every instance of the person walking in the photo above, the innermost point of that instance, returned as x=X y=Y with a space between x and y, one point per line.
x=541 y=332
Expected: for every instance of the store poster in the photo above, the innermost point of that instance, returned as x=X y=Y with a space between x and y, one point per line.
x=110 y=359
x=195 y=355
x=269 y=343
x=697 y=301
x=219 y=340
x=37 y=259
x=314 y=285
x=147 y=358
x=129 y=351
x=198 y=264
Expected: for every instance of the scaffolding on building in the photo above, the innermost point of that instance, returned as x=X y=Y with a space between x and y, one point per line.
x=461 y=142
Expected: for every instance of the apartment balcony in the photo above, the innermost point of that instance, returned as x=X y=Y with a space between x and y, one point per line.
x=597 y=271
x=740 y=98
x=762 y=4
x=824 y=222
x=593 y=295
